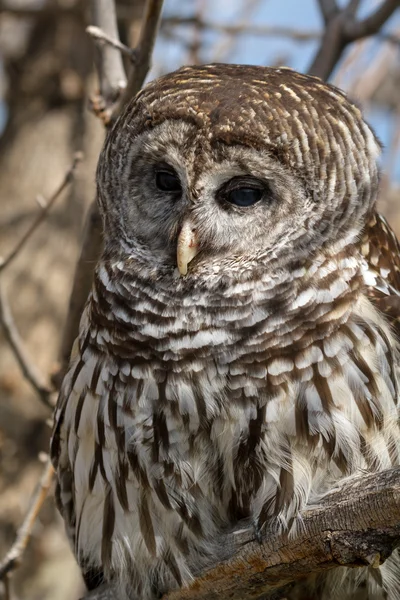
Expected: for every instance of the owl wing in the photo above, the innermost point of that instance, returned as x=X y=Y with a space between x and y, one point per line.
x=72 y=395
x=381 y=250
x=64 y=484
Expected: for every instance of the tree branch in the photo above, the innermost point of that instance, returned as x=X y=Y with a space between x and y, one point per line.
x=100 y=36
x=342 y=28
x=109 y=65
x=14 y=555
x=247 y=28
x=357 y=524
x=29 y=370
x=328 y=8
x=4 y=262
x=352 y=8
x=359 y=29
x=115 y=89
x=143 y=52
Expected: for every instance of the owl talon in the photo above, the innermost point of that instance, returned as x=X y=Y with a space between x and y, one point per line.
x=258 y=535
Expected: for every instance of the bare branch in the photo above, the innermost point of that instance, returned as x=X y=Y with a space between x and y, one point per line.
x=356 y=524
x=356 y=30
x=109 y=65
x=29 y=370
x=14 y=555
x=68 y=177
x=330 y=50
x=328 y=8
x=144 y=51
x=100 y=36
x=40 y=10
x=168 y=23
x=246 y=28
x=83 y=277
x=342 y=28
x=6 y=585
x=352 y=8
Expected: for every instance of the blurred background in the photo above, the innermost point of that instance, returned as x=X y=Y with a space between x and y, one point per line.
x=46 y=79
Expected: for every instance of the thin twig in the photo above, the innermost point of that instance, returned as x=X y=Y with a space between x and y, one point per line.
x=257 y=30
x=14 y=555
x=29 y=370
x=244 y=28
x=68 y=177
x=101 y=36
x=144 y=52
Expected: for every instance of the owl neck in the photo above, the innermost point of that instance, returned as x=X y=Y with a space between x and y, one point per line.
x=166 y=319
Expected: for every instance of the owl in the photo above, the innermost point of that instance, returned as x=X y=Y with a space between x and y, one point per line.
x=237 y=356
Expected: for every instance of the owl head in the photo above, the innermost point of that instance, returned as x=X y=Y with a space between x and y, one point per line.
x=235 y=167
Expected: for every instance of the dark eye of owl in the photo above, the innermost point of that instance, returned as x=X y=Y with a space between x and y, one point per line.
x=244 y=196
x=243 y=191
x=168 y=181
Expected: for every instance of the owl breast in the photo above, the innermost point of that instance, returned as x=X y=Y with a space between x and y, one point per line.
x=175 y=428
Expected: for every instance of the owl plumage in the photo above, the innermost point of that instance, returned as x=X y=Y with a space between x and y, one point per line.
x=250 y=380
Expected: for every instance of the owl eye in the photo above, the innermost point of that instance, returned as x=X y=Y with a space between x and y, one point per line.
x=168 y=181
x=243 y=191
x=244 y=196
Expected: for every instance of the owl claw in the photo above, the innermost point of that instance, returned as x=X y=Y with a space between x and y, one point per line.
x=258 y=536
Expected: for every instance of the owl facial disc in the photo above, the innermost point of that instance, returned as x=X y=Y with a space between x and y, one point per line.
x=187 y=247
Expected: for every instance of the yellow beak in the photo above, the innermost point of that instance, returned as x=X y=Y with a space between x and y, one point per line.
x=187 y=247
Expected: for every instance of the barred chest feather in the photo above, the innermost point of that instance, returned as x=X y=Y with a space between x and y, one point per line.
x=184 y=412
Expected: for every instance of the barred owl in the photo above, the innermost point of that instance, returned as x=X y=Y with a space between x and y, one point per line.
x=235 y=357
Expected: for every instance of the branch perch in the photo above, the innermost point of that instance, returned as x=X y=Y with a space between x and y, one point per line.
x=357 y=524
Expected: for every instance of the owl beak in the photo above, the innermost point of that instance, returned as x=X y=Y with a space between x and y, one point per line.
x=187 y=247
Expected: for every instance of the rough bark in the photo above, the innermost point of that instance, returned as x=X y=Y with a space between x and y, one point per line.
x=357 y=524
